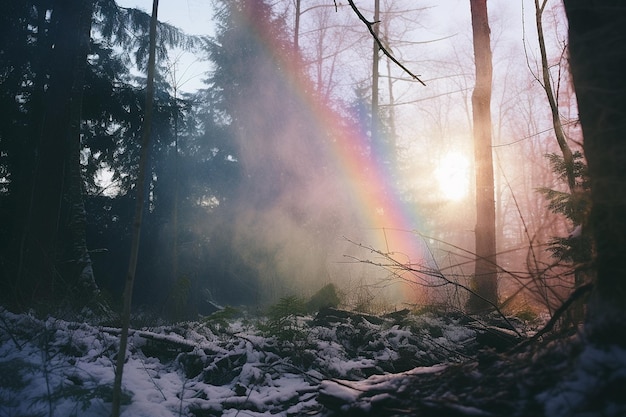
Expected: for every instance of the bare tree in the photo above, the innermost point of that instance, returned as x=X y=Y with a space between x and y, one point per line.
x=485 y=276
x=546 y=84
x=139 y=200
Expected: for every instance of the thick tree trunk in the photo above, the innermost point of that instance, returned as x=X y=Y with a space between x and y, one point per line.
x=75 y=257
x=597 y=34
x=23 y=171
x=485 y=279
x=41 y=248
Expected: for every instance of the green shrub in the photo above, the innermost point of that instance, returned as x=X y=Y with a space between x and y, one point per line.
x=282 y=319
x=527 y=314
x=218 y=321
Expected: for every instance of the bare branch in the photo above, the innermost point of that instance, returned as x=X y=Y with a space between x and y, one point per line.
x=370 y=27
x=394 y=266
x=574 y=296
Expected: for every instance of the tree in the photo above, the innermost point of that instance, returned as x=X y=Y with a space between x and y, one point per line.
x=255 y=110
x=375 y=129
x=54 y=190
x=139 y=202
x=485 y=277
x=571 y=169
x=597 y=32
x=74 y=251
x=56 y=99
x=546 y=84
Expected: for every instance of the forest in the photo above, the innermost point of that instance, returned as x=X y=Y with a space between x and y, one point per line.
x=316 y=207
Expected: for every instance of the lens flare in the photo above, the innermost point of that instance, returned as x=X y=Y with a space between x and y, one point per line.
x=452 y=176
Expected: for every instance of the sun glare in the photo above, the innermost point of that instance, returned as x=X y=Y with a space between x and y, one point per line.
x=452 y=176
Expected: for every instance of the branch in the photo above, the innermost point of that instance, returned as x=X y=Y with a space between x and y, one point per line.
x=370 y=27
x=396 y=265
x=577 y=294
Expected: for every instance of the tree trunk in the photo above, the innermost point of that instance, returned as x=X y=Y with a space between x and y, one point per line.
x=484 y=281
x=580 y=277
x=139 y=199
x=296 y=30
x=554 y=106
x=76 y=259
x=41 y=272
x=375 y=124
x=23 y=173
x=597 y=32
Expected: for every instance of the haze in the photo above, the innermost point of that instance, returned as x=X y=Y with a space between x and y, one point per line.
x=305 y=212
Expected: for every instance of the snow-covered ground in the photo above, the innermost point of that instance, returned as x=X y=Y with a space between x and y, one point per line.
x=238 y=366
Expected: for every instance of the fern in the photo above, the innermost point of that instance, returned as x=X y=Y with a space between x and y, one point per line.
x=282 y=319
x=575 y=205
x=218 y=321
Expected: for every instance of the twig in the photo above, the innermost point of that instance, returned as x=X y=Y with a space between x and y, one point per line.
x=370 y=27
x=578 y=293
x=396 y=265
x=143 y=364
x=182 y=398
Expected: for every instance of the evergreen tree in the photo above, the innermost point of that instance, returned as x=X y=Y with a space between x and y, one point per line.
x=65 y=97
x=279 y=145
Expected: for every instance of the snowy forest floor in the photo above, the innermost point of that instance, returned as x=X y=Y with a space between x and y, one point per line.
x=335 y=363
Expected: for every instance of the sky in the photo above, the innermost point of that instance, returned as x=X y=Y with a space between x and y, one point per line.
x=195 y=18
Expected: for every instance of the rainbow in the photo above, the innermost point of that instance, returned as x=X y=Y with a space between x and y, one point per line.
x=391 y=222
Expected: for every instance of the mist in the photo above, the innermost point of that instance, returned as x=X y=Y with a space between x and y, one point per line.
x=286 y=188
x=296 y=209
x=322 y=200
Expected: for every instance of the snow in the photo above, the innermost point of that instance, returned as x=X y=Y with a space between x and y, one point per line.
x=64 y=368
x=599 y=376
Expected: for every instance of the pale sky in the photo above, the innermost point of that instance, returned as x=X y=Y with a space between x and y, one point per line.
x=192 y=16
x=448 y=17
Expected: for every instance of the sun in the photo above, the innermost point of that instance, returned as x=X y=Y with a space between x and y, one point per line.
x=452 y=176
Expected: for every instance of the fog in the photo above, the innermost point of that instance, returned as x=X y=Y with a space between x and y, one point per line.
x=322 y=200
x=311 y=193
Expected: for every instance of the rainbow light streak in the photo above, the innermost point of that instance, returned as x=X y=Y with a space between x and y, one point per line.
x=390 y=221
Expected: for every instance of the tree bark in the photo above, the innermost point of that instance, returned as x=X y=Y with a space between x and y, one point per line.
x=597 y=33
x=484 y=281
